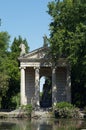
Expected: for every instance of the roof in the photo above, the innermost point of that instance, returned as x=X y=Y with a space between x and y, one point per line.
x=41 y=56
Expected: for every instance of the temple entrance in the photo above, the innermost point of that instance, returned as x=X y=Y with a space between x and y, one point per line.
x=46 y=93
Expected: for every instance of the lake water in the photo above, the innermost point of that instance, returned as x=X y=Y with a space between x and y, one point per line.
x=42 y=124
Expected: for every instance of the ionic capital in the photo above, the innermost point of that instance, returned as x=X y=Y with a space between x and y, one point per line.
x=36 y=67
x=23 y=67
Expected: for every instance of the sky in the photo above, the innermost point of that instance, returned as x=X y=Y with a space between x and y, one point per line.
x=27 y=18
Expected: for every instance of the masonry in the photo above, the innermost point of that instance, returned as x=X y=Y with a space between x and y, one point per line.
x=36 y=64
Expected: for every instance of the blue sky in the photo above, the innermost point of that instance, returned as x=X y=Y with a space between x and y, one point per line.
x=27 y=18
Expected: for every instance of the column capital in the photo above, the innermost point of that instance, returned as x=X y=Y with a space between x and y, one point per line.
x=36 y=67
x=53 y=67
x=23 y=67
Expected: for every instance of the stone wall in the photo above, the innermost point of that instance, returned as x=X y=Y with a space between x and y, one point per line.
x=30 y=84
x=45 y=71
x=61 y=84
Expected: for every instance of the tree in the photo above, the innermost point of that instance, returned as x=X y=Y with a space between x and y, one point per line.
x=4 y=41
x=12 y=96
x=68 y=40
x=15 y=45
x=4 y=77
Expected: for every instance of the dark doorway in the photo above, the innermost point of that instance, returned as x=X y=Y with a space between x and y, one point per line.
x=46 y=95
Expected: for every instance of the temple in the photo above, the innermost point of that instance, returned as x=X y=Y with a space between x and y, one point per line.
x=36 y=64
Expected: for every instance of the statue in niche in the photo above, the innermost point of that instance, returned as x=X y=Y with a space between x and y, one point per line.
x=46 y=99
x=22 y=47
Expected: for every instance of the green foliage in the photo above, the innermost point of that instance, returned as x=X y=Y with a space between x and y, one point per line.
x=9 y=71
x=68 y=40
x=14 y=72
x=66 y=110
x=15 y=46
x=64 y=104
x=4 y=77
x=4 y=41
x=41 y=94
x=27 y=108
x=67 y=19
x=16 y=100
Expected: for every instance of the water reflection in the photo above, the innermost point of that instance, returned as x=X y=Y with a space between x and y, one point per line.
x=42 y=124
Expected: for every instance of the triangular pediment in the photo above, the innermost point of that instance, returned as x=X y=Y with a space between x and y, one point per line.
x=39 y=53
x=42 y=56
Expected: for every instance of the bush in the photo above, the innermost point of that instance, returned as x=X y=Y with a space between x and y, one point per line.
x=64 y=105
x=15 y=101
x=27 y=109
x=65 y=110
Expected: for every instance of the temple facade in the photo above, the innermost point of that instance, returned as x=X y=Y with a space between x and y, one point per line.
x=36 y=64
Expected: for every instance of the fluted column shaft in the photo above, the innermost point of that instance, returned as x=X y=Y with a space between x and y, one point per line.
x=54 y=88
x=22 y=89
x=68 y=89
x=37 y=87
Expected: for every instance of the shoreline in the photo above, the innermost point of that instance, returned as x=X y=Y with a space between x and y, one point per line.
x=34 y=114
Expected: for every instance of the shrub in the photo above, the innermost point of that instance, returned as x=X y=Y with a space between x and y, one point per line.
x=15 y=101
x=64 y=105
x=65 y=110
x=27 y=108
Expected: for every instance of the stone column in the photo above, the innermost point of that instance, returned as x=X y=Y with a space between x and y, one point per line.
x=37 y=87
x=22 y=89
x=68 y=88
x=54 y=88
